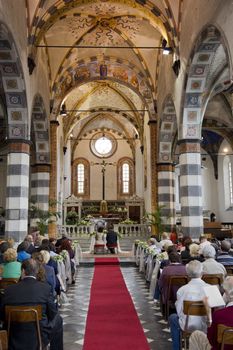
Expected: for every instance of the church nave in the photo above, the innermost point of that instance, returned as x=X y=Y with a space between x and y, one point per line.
x=74 y=311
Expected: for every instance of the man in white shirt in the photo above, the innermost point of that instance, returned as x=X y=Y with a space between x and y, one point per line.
x=193 y=291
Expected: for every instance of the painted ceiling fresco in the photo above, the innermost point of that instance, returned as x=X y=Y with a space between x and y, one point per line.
x=113 y=71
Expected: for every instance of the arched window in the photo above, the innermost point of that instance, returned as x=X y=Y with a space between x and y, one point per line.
x=228 y=182
x=126 y=178
x=81 y=178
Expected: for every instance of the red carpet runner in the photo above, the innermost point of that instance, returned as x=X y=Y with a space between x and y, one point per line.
x=112 y=322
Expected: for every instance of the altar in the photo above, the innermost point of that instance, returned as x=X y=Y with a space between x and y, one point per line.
x=115 y=212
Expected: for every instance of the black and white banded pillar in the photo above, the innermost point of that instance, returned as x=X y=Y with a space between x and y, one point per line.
x=16 y=225
x=191 y=188
x=166 y=193
x=40 y=175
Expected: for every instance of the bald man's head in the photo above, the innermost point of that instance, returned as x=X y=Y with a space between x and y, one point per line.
x=225 y=246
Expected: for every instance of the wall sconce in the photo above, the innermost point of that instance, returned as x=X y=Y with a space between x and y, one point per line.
x=142 y=149
x=31 y=65
x=64 y=177
x=64 y=150
x=166 y=49
x=176 y=67
x=63 y=110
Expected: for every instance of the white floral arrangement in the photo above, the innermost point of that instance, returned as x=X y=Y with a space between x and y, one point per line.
x=74 y=244
x=58 y=258
x=64 y=254
x=151 y=251
x=91 y=234
x=162 y=256
x=143 y=245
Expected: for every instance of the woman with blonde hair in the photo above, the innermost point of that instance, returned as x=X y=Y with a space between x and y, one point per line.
x=11 y=267
x=43 y=257
x=194 y=251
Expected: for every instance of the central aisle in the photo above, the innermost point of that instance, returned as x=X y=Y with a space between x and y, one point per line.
x=74 y=311
x=112 y=321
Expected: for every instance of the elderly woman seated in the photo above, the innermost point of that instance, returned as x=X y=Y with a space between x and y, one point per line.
x=194 y=250
x=11 y=268
x=210 y=265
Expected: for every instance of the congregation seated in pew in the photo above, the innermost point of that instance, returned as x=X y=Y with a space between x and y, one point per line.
x=193 y=291
x=11 y=268
x=30 y=291
x=174 y=268
x=210 y=265
x=223 y=255
x=202 y=341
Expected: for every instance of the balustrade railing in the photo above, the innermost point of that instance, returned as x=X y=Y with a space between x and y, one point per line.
x=74 y=231
x=126 y=230
x=129 y=230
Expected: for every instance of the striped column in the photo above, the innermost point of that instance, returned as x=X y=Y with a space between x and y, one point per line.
x=190 y=188
x=53 y=171
x=17 y=190
x=153 y=149
x=166 y=194
x=40 y=187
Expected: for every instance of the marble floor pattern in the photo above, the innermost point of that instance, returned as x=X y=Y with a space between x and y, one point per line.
x=74 y=310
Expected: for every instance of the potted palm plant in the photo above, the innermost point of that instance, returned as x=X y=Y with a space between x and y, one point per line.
x=157 y=221
x=44 y=217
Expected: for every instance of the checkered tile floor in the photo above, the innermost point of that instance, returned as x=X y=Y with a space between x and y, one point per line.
x=74 y=311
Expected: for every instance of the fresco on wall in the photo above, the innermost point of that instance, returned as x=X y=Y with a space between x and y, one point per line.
x=119 y=71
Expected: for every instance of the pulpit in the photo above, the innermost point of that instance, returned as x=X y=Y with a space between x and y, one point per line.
x=214 y=230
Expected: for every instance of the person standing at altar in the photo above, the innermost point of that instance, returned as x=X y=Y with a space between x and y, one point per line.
x=111 y=239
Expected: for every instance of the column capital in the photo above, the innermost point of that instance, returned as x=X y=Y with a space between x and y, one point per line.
x=19 y=146
x=189 y=146
x=165 y=167
x=152 y=122
x=41 y=168
x=54 y=123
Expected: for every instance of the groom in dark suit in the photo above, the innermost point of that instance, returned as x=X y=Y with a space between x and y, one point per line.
x=29 y=291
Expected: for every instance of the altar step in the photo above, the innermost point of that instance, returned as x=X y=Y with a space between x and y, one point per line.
x=126 y=243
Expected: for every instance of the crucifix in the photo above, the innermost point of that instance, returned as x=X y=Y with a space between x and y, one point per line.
x=103 y=169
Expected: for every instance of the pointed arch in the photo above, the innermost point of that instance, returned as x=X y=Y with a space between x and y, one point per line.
x=208 y=74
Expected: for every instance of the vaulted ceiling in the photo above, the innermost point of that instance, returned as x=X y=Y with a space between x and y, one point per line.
x=98 y=57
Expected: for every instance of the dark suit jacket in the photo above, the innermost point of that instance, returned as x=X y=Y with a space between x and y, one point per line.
x=111 y=238
x=31 y=292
